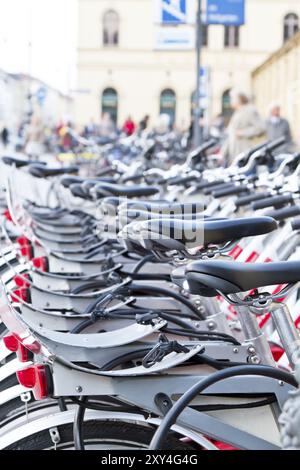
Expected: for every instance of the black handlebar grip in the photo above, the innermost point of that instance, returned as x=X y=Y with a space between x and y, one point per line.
x=275 y=144
x=275 y=201
x=105 y=171
x=202 y=148
x=219 y=187
x=285 y=213
x=230 y=191
x=133 y=178
x=295 y=224
x=209 y=184
x=182 y=180
x=244 y=201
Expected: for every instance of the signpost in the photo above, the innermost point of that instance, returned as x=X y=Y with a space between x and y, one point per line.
x=180 y=12
x=176 y=39
x=225 y=12
x=197 y=107
x=174 y=12
x=41 y=95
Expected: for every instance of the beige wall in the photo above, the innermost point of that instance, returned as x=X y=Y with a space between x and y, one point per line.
x=139 y=72
x=278 y=79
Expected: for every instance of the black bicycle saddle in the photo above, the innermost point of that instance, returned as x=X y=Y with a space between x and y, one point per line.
x=207 y=278
x=107 y=189
x=41 y=171
x=181 y=234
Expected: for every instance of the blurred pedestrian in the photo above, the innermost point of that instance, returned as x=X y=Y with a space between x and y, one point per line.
x=34 y=138
x=4 y=136
x=107 y=127
x=163 y=124
x=91 y=129
x=129 y=126
x=277 y=127
x=245 y=127
x=144 y=123
x=217 y=127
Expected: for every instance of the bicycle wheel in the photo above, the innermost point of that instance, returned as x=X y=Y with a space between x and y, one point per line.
x=99 y=435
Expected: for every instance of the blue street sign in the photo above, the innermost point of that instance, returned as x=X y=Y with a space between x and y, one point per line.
x=174 y=11
x=41 y=95
x=225 y=12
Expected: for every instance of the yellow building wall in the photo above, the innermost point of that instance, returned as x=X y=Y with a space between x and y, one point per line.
x=278 y=80
x=139 y=72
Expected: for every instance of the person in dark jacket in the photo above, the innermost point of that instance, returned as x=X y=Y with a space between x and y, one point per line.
x=4 y=136
x=144 y=123
x=277 y=126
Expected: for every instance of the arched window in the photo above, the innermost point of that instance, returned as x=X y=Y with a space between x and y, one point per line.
x=168 y=104
x=111 y=28
x=290 y=26
x=227 y=110
x=110 y=103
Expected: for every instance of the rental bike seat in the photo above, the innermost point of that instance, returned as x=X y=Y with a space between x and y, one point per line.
x=165 y=207
x=41 y=171
x=88 y=183
x=19 y=163
x=130 y=215
x=180 y=234
x=77 y=190
x=165 y=235
x=107 y=189
x=66 y=181
x=207 y=278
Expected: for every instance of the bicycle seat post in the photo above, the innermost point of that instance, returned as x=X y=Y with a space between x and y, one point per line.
x=286 y=330
x=254 y=336
x=215 y=317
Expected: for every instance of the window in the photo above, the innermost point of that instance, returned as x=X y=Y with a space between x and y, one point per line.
x=204 y=31
x=110 y=103
x=227 y=110
x=291 y=26
x=168 y=104
x=231 y=36
x=111 y=28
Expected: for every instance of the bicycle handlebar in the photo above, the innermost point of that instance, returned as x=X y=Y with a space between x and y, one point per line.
x=244 y=201
x=275 y=201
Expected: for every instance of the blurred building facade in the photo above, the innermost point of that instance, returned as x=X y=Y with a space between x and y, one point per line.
x=278 y=80
x=125 y=68
x=22 y=96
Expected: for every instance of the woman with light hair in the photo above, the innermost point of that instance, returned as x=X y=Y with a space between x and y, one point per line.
x=245 y=127
x=163 y=124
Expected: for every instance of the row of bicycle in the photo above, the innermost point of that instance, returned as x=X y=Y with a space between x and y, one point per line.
x=148 y=309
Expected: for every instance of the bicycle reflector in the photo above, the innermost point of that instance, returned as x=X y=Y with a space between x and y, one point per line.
x=24 y=355
x=7 y=215
x=38 y=379
x=27 y=251
x=11 y=343
x=41 y=263
x=21 y=294
x=23 y=241
x=21 y=280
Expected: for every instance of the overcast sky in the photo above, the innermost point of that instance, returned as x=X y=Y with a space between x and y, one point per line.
x=51 y=27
